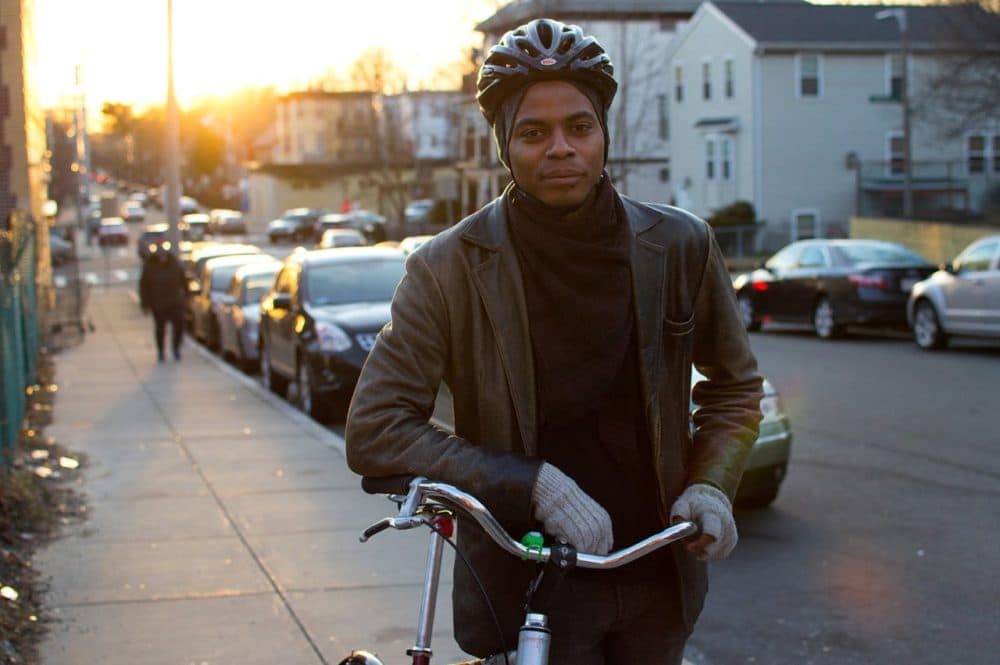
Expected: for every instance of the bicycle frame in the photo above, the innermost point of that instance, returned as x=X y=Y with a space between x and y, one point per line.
x=436 y=500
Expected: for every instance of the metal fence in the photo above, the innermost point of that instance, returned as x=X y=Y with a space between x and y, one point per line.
x=19 y=327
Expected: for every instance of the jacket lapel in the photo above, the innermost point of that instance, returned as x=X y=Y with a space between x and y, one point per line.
x=497 y=277
x=648 y=271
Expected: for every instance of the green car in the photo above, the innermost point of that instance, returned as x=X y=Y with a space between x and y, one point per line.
x=768 y=461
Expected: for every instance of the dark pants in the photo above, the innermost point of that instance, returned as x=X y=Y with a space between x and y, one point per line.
x=597 y=622
x=175 y=317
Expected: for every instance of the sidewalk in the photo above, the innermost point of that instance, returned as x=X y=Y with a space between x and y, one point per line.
x=223 y=524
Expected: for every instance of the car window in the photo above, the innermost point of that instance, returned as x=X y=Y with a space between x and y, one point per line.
x=874 y=252
x=977 y=258
x=361 y=281
x=222 y=275
x=785 y=258
x=254 y=290
x=812 y=257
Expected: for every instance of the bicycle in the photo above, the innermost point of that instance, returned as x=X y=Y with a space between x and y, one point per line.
x=426 y=503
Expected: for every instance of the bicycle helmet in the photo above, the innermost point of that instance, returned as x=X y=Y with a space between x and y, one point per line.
x=544 y=49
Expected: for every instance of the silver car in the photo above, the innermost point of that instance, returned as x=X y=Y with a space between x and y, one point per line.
x=961 y=299
x=240 y=313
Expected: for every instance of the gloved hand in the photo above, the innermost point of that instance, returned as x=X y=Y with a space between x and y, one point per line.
x=566 y=512
x=710 y=509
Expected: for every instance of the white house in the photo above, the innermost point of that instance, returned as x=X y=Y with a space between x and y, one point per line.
x=795 y=108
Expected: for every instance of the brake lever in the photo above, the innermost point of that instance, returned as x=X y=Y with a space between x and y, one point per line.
x=399 y=523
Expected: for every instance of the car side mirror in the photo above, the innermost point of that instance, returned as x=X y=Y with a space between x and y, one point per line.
x=281 y=301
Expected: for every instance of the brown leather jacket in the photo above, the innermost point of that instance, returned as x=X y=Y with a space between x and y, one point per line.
x=459 y=316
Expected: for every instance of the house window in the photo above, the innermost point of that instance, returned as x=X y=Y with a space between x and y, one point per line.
x=665 y=174
x=706 y=80
x=975 y=150
x=805 y=224
x=996 y=153
x=808 y=75
x=725 y=147
x=664 y=120
x=728 y=67
x=710 y=159
x=896 y=154
x=894 y=67
x=678 y=84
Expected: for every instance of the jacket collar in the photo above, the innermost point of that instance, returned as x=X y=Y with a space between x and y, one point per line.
x=496 y=274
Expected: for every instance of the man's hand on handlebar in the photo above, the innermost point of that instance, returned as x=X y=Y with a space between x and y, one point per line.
x=711 y=510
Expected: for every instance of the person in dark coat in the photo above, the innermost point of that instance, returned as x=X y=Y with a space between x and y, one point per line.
x=162 y=289
x=565 y=318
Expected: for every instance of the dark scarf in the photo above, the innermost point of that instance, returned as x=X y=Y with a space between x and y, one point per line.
x=578 y=288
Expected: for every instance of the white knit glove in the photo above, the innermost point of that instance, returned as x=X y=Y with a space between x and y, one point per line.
x=567 y=513
x=710 y=509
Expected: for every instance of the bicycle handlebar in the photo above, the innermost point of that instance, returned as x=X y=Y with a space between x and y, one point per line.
x=422 y=490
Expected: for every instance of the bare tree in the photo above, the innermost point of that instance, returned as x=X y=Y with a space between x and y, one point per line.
x=962 y=92
x=375 y=70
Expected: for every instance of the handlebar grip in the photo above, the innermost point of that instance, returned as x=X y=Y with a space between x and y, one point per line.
x=386 y=484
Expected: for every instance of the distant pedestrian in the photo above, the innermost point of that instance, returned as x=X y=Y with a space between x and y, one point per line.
x=162 y=289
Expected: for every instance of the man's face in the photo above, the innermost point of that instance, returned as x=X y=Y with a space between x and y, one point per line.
x=556 y=146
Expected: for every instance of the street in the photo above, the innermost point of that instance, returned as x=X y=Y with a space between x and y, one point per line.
x=880 y=547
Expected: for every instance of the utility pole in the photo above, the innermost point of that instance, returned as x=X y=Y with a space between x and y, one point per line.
x=899 y=14
x=81 y=151
x=171 y=203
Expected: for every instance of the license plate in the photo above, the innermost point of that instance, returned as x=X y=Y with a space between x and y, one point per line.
x=907 y=283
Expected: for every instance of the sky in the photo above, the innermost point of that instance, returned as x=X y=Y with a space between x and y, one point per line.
x=224 y=45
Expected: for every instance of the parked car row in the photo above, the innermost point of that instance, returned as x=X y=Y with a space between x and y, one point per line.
x=834 y=284
x=309 y=224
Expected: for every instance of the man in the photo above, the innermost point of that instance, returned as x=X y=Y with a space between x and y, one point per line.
x=162 y=289
x=565 y=319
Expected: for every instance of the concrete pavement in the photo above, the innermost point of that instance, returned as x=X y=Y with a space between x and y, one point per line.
x=223 y=524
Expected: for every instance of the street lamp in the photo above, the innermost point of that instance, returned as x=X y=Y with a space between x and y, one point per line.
x=899 y=13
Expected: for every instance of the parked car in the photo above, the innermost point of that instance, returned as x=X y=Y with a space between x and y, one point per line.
x=409 y=244
x=296 y=224
x=189 y=205
x=320 y=319
x=832 y=284
x=226 y=222
x=112 y=232
x=60 y=250
x=133 y=211
x=341 y=238
x=196 y=225
x=239 y=313
x=194 y=262
x=206 y=305
x=961 y=299
x=153 y=238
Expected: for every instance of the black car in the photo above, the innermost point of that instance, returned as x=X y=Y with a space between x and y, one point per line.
x=152 y=238
x=297 y=225
x=320 y=319
x=832 y=284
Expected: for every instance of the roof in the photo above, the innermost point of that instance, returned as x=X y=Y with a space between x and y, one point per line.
x=519 y=12
x=854 y=27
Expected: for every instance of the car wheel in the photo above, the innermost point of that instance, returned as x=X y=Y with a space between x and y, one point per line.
x=747 y=313
x=309 y=401
x=927 y=327
x=276 y=384
x=823 y=323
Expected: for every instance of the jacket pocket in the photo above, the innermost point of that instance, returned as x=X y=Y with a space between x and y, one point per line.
x=678 y=327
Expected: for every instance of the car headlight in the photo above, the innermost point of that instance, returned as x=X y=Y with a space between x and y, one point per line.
x=331 y=337
x=770 y=406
